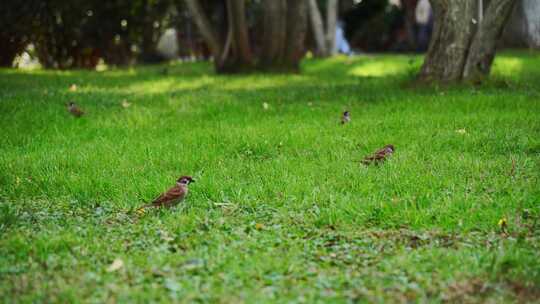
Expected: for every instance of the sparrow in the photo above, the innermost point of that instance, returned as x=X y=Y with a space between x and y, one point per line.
x=346 y=117
x=74 y=109
x=379 y=156
x=173 y=196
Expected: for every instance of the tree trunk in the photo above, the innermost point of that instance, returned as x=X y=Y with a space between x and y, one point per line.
x=285 y=27
x=460 y=50
x=483 y=47
x=452 y=32
x=239 y=29
x=208 y=33
x=274 y=31
x=318 y=28
x=296 y=33
x=331 y=23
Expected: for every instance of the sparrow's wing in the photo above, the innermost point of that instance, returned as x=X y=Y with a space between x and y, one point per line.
x=173 y=194
x=381 y=154
x=378 y=156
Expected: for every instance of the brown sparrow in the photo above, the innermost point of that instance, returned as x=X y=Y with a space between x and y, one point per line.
x=379 y=156
x=346 y=117
x=74 y=109
x=173 y=196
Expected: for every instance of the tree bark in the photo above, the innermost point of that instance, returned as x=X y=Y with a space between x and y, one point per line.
x=239 y=29
x=450 y=41
x=208 y=33
x=331 y=23
x=296 y=33
x=274 y=31
x=318 y=28
x=459 y=49
x=483 y=47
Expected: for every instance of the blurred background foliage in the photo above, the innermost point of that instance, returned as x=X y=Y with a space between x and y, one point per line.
x=80 y=33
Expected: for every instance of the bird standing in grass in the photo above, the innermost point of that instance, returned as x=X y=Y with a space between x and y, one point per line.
x=379 y=156
x=74 y=109
x=345 y=117
x=173 y=196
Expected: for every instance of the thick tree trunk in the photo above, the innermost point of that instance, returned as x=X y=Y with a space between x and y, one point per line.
x=483 y=47
x=460 y=49
x=296 y=33
x=318 y=28
x=331 y=23
x=274 y=31
x=239 y=30
x=205 y=28
x=452 y=33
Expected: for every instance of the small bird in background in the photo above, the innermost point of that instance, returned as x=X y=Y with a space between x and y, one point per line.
x=173 y=196
x=379 y=156
x=74 y=109
x=345 y=117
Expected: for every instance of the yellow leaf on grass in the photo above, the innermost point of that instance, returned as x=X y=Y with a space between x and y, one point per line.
x=115 y=265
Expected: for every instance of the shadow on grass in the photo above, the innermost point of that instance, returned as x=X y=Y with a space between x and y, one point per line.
x=369 y=77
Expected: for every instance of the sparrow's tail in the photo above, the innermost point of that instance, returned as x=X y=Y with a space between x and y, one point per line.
x=368 y=160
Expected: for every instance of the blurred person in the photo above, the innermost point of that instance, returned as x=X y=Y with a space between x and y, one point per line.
x=341 y=42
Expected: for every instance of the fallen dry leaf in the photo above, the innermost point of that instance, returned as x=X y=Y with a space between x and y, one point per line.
x=126 y=104
x=115 y=265
x=259 y=226
x=266 y=106
x=73 y=88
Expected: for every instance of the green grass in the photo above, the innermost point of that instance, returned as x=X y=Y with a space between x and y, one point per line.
x=281 y=211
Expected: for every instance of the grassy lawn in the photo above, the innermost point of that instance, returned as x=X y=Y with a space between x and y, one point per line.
x=281 y=210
